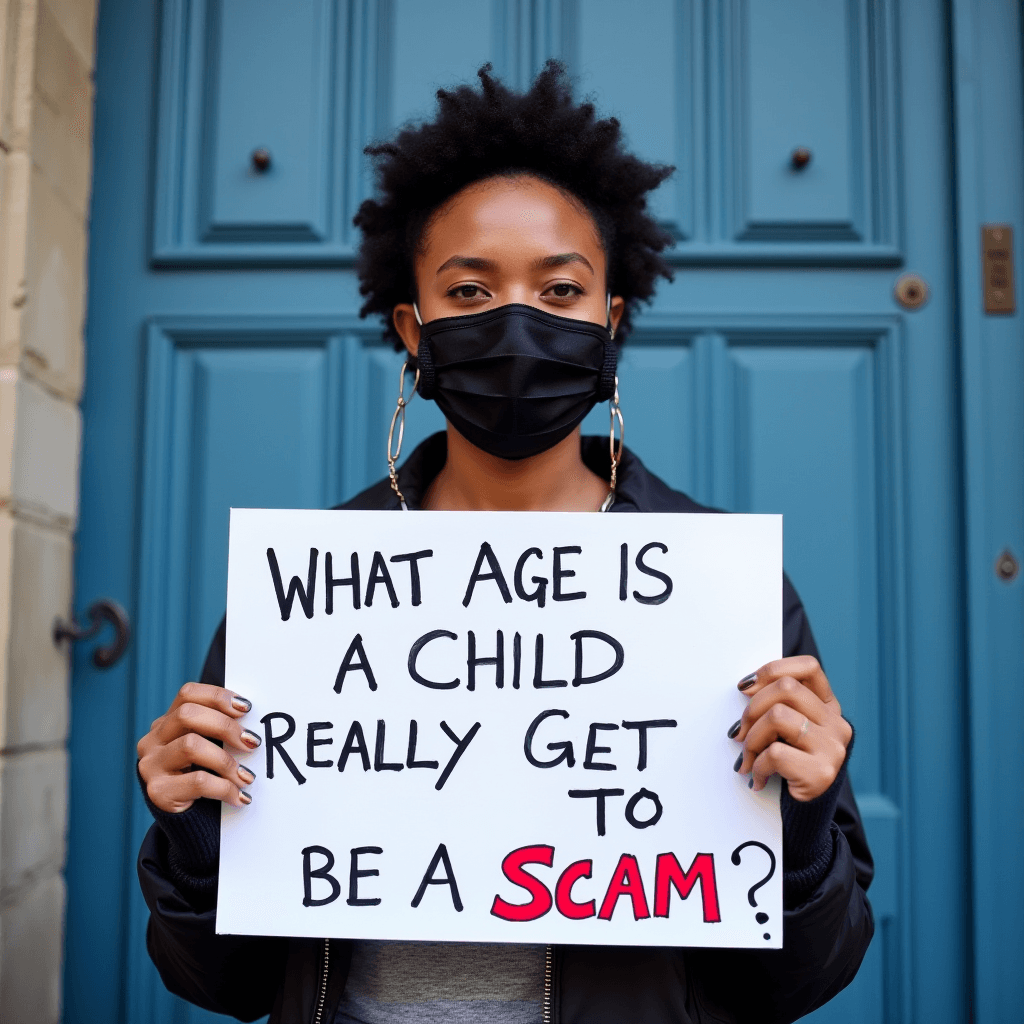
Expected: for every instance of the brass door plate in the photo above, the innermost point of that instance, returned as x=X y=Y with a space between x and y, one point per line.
x=997 y=268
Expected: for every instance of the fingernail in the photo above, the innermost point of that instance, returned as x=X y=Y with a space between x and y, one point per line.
x=739 y=761
x=245 y=775
x=750 y=784
x=748 y=681
x=250 y=739
x=734 y=729
x=241 y=704
x=244 y=797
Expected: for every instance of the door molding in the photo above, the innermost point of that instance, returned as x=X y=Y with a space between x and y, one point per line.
x=986 y=52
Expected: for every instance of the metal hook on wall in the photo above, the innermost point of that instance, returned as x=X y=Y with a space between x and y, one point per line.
x=99 y=614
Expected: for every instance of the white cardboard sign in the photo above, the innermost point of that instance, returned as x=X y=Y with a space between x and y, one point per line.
x=501 y=727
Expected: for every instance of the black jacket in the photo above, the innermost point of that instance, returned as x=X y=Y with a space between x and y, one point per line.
x=828 y=921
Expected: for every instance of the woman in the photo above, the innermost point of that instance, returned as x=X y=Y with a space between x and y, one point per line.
x=508 y=249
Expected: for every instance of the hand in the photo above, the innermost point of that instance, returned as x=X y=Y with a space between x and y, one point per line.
x=793 y=726
x=179 y=745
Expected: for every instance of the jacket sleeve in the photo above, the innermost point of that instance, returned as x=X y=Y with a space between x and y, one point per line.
x=826 y=932
x=238 y=975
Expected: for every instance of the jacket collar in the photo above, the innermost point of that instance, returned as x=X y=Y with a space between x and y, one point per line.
x=427 y=459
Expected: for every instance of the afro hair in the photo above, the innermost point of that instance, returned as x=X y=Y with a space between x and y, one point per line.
x=493 y=131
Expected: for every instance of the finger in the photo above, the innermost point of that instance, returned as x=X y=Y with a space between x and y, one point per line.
x=802 y=667
x=177 y=793
x=225 y=701
x=786 y=690
x=206 y=721
x=193 y=749
x=807 y=775
x=781 y=722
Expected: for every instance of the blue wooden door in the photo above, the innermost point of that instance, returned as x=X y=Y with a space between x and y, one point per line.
x=227 y=366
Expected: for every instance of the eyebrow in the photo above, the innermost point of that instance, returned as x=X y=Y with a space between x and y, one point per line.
x=546 y=263
x=467 y=263
x=562 y=260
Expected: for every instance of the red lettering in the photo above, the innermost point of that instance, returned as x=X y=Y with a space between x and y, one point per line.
x=669 y=873
x=567 y=906
x=512 y=868
x=626 y=881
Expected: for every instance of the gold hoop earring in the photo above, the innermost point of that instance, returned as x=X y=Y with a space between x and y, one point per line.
x=615 y=413
x=399 y=418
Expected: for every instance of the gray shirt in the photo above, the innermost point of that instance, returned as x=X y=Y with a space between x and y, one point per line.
x=443 y=983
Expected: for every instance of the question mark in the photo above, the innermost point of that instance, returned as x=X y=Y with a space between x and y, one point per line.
x=760 y=917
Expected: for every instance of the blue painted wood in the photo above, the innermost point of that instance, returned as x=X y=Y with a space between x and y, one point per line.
x=801 y=73
x=258 y=98
x=751 y=384
x=825 y=73
x=739 y=83
x=987 y=79
x=664 y=44
x=228 y=85
x=767 y=381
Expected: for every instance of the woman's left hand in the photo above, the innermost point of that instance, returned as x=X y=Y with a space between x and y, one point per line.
x=792 y=726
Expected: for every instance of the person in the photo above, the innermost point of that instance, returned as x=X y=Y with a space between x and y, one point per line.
x=508 y=250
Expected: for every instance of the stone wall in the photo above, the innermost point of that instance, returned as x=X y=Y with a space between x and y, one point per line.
x=46 y=100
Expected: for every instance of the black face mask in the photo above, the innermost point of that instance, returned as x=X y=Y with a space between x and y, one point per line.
x=516 y=380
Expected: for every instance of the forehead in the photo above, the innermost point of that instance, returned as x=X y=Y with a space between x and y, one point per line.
x=523 y=209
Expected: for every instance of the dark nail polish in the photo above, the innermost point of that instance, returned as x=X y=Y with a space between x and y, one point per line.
x=241 y=704
x=247 y=776
x=244 y=797
x=750 y=784
x=748 y=681
x=734 y=729
x=739 y=761
x=250 y=739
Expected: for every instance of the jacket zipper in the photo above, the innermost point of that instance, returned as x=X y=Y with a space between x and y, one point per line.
x=547 y=1010
x=318 y=1016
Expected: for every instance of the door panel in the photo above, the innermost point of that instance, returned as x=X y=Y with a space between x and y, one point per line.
x=231 y=417
x=662 y=42
x=774 y=374
x=739 y=85
x=795 y=91
x=803 y=419
x=270 y=87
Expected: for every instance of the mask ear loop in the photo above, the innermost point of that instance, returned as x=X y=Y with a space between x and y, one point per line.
x=399 y=418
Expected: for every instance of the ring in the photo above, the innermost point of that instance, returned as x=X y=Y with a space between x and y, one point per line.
x=803 y=728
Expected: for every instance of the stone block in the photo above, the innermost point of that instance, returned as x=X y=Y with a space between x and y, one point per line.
x=77 y=19
x=8 y=30
x=62 y=154
x=31 y=946
x=33 y=819
x=8 y=417
x=54 y=312
x=14 y=206
x=6 y=557
x=44 y=462
x=17 y=57
x=35 y=703
x=62 y=76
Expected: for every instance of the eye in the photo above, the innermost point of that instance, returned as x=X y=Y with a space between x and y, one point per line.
x=564 y=290
x=466 y=291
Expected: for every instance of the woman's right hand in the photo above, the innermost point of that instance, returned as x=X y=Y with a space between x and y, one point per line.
x=178 y=760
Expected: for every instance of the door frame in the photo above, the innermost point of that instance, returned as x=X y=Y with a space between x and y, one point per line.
x=989 y=164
